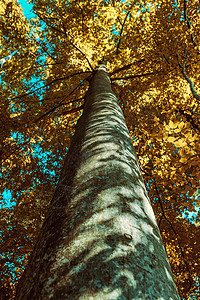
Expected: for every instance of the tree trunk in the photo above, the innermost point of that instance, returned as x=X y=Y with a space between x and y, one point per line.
x=100 y=239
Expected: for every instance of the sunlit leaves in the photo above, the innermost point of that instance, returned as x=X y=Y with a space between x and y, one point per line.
x=47 y=79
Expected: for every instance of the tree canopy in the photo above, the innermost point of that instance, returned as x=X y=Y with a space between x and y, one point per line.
x=152 y=52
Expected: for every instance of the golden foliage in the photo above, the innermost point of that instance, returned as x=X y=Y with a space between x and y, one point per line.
x=147 y=46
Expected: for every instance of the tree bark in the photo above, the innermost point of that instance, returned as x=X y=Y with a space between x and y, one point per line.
x=100 y=239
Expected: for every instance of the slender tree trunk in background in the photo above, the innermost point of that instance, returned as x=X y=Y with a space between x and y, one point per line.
x=100 y=239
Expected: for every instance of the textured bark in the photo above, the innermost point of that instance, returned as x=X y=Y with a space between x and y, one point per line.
x=100 y=239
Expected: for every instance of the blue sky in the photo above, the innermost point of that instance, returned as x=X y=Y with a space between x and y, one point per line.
x=7 y=196
x=27 y=9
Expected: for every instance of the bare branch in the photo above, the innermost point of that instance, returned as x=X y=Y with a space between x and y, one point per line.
x=49 y=25
x=55 y=107
x=194 y=93
x=120 y=36
x=64 y=31
x=132 y=76
x=189 y=23
x=185 y=14
x=189 y=118
x=161 y=52
x=77 y=48
x=119 y=20
x=48 y=84
x=20 y=148
x=73 y=110
x=126 y=67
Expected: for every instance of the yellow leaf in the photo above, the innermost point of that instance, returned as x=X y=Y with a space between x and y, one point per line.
x=180 y=143
x=183 y=160
x=171 y=139
x=172 y=124
x=39 y=138
x=15 y=115
x=27 y=159
x=182 y=152
x=181 y=125
x=177 y=130
x=32 y=141
x=156 y=120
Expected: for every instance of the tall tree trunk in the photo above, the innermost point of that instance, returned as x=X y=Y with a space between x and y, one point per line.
x=100 y=239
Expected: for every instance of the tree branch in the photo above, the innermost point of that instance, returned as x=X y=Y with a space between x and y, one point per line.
x=73 y=110
x=77 y=48
x=188 y=22
x=64 y=31
x=194 y=93
x=20 y=148
x=54 y=80
x=132 y=76
x=165 y=57
x=119 y=20
x=120 y=36
x=125 y=67
x=55 y=107
x=189 y=118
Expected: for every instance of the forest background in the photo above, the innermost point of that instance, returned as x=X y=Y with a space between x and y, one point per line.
x=152 y=52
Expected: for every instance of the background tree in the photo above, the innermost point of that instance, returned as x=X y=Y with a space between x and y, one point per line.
x=152 y=51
